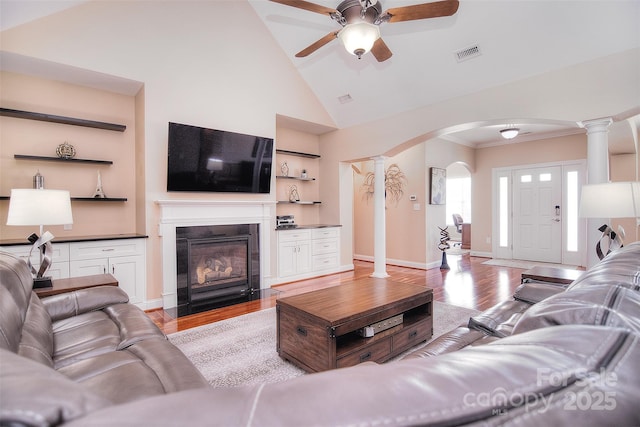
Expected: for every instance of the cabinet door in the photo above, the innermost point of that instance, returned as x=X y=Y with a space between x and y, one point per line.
x=129 y=270
x=303 y=260
x=88 y=267
x=287 y=255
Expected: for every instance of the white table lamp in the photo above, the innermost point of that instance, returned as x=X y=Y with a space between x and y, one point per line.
x=40 y=207
x=610 y=200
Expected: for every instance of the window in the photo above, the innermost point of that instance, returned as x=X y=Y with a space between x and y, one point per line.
x=458 y=198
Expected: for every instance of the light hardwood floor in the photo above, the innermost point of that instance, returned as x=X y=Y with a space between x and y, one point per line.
x=468 y=283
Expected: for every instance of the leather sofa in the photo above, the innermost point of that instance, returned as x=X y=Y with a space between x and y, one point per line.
x=550 y=356
x=69 y=354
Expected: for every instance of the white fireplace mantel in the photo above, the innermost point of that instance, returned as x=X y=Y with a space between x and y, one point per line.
x=186 y=213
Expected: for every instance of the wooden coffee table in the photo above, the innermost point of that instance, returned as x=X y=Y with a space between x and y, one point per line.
x=317 y=330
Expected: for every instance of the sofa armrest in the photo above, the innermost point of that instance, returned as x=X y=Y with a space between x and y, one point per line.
x=81 y=301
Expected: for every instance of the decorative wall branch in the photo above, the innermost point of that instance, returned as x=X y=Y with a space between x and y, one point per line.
x=394 y=183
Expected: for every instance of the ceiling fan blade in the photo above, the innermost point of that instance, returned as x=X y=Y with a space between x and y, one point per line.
x=311 y=7
x=317 y=45
x=423 y=11
x=381 y=51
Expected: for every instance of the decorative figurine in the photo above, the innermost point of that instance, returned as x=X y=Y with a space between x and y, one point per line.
x=65 y=151
x=99 y=193
x=38 y=181
x=443 y=246
x=293 y=194
x=284 y=169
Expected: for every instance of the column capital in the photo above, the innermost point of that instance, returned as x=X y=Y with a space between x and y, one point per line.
x=596 y=125
x=379 y=158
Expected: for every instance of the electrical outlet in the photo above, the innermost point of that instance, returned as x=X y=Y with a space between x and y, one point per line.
x=488 y=240
x=68 y=226
x=416 y=206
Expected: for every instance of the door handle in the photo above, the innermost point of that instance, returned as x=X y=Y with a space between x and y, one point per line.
x=555 y=219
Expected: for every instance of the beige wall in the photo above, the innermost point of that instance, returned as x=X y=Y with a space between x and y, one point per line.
x=405 y=227
x=30 y=137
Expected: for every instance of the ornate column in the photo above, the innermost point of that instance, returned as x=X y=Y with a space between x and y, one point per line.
x=597 y=173
x=379 y=221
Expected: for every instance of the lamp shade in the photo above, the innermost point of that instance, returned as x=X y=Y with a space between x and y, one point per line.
x=358 y=38
x=610 y=200
x=39 y=207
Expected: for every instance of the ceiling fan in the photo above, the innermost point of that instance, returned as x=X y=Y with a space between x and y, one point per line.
x=360 y=20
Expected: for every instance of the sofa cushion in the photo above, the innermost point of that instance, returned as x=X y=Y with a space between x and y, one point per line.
x=454 y=340
x=148 y=368
x=36 y=395
x=36 y=342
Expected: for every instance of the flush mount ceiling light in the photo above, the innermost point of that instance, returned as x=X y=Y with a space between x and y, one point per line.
x=509 y=133
x=358 y=38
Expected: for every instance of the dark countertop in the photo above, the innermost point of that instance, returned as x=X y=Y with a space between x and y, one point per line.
x=14 y=242
x=308 y=226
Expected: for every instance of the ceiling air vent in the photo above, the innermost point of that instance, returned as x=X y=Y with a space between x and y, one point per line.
x=345 y=98
x=468 y=53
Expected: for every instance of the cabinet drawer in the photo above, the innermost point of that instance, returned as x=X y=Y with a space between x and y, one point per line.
x=324 y=246
x=324 y=233
x=93 y=250
x=60 y=252
x=372 y=353
x=412 y=335
x=323 y=262
x=290 y=235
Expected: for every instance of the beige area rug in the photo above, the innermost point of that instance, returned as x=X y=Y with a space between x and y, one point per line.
x=242 y=350
x=514 y=263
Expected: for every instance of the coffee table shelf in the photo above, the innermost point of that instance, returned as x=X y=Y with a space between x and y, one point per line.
x=317 y=331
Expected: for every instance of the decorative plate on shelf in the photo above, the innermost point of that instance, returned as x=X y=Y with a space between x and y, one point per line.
x=65 y=151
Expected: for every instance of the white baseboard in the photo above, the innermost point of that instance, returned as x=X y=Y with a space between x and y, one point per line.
x=481 y=254
x=311 y=274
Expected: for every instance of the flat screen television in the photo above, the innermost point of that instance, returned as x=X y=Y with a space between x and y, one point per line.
x=210 y=160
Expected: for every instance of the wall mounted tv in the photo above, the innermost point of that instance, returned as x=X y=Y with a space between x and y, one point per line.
x=209 y=160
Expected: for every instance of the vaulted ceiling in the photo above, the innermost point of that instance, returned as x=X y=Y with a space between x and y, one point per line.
x=515 y=40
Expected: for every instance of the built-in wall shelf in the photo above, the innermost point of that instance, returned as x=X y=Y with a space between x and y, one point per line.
x=60 y=159
x=299 y=202
x=87 y=199
x=297 y=178
x=99 y=199
x=61 y=119
x=297 y=153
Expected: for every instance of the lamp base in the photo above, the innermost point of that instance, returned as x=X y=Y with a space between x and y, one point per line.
x=42 y=282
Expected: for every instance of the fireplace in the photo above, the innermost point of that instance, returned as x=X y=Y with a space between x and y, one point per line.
x=217 y=265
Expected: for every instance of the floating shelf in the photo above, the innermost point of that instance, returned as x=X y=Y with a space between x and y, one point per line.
x=298 y=178
x=86 y=199
x=61 y=119
x=98 y=199
x=301 y=202
x=297 y=153
x=60 y=159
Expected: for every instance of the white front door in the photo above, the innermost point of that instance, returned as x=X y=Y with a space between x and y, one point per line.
x=537 y=214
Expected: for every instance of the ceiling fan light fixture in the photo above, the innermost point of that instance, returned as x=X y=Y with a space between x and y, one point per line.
x=509 y=133
x=358 y=38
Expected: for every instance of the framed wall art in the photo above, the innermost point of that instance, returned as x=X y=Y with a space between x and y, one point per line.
x=438 y=186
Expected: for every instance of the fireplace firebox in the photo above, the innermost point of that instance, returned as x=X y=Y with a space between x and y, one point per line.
x=217 y=265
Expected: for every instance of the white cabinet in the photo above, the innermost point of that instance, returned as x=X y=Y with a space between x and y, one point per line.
x=294 y=254
x=124 y=259
x=304 y=253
